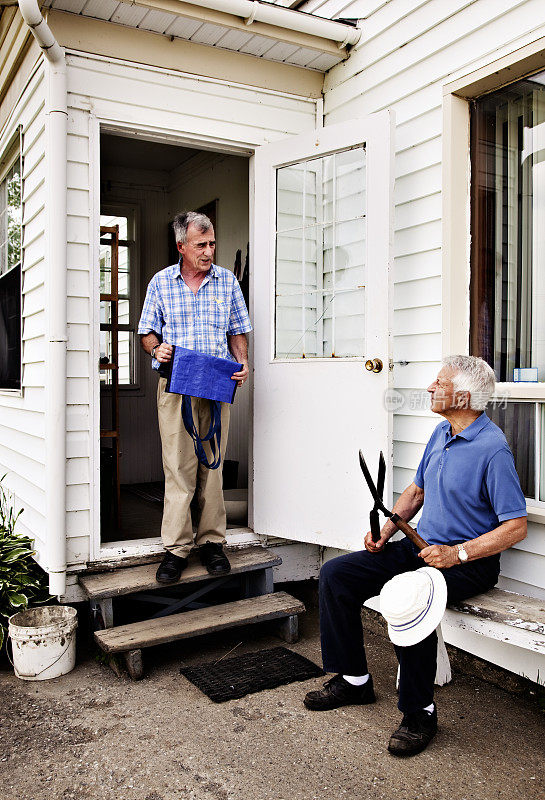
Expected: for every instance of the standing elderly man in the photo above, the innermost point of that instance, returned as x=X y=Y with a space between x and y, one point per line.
x=197 y=305
x=473 y=509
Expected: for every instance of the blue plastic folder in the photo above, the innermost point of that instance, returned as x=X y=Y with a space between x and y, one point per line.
x=200 y=375
x=194 y=374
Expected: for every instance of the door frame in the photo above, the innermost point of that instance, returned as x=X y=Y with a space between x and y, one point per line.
x=141 y=547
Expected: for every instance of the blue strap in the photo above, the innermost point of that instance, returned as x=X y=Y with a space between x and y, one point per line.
x=214 y=432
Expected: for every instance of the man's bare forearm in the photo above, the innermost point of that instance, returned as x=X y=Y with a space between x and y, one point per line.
x=238 y=345
x=163 y=354
x=406 y=506
x=497 y=540
x=149 y=341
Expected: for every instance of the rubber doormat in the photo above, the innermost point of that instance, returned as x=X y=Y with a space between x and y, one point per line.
x=252 y=672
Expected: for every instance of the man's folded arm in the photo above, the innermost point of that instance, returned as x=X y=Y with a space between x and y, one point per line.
x=497 y=540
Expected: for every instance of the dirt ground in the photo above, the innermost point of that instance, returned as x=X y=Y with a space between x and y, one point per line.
x=92 y=735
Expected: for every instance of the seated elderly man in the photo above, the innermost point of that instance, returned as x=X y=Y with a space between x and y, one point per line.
x=473 y=509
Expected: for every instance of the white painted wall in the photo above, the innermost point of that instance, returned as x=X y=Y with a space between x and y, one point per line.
x=22 y=415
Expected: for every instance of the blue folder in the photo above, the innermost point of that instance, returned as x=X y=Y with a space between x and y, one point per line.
x=200 y=375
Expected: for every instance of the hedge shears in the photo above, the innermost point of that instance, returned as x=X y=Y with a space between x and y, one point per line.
x=377 y=491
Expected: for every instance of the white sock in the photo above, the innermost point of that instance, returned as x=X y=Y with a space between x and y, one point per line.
x=356 y=680
x=429 y=708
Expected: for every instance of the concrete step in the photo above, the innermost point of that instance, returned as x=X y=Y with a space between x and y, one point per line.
x=128 y=580
x=152 y=632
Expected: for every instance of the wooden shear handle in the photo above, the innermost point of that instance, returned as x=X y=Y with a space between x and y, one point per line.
x=409 y=532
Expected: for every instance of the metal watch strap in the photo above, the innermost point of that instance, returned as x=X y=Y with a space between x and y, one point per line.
x=461 y=549
x=153 y=349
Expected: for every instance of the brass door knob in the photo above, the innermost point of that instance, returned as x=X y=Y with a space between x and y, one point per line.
x=374 y=365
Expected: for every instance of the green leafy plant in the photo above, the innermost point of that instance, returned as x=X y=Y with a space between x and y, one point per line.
x=21 y=579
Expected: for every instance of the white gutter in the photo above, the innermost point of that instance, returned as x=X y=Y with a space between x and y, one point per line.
x=254 y=11
x=57 y=336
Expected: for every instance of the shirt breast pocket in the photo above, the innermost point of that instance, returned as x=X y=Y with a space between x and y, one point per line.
x=218 y=313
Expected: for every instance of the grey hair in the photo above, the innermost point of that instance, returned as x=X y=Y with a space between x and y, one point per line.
x=475 y=376
x=182 y=222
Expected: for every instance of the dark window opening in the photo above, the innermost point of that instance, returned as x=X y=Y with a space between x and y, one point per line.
x=10 y=277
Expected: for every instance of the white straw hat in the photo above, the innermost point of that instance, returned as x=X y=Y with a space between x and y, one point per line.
x=413 y=604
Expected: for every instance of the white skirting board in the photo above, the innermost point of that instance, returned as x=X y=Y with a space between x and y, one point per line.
x=495 y=643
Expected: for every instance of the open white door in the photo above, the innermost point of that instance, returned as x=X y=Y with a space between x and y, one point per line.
x=322 y=274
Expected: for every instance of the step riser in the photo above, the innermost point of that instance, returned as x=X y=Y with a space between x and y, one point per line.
x=136 y=643
x=142 y=578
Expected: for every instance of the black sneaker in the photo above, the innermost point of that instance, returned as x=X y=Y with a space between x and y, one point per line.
x=338 y=692
x=416 y=731
x=170 y=568
x=214 y=559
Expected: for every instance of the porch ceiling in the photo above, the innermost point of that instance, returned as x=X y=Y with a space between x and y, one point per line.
x=214 y=29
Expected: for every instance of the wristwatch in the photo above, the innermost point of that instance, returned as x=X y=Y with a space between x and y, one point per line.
x=462 y=554
x=153 y=349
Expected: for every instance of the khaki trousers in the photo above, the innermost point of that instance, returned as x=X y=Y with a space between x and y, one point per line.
x=184 y=474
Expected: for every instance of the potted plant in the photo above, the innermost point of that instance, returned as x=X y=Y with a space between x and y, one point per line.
x=21 y=579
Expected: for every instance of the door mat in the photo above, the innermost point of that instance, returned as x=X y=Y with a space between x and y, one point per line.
x=252 y=672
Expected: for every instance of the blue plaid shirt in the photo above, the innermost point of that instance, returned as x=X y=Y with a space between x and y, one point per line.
x=199 y=321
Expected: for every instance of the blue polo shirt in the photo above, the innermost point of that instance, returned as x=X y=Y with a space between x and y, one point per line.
x=470 y=483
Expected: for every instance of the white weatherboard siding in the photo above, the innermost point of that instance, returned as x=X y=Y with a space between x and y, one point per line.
x=22 y=415
x=159 y=104
x=407 y=52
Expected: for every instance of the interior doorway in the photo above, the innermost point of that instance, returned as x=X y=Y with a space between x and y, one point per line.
x=143 y=185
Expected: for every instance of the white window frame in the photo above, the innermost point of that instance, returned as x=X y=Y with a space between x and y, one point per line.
x=130 y=210
x=12 y=153
x=457 y=95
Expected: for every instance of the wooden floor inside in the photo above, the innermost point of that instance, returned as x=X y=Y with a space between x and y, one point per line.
x=141 y=518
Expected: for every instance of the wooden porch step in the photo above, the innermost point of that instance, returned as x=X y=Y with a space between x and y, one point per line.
x=142 y=578
x=152 y=632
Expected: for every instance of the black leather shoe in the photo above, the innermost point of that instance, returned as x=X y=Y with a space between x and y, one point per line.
x=170 y=568
x=214 y=559
x=416 y=731
x=338 y=692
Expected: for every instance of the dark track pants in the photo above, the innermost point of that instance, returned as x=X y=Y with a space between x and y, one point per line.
x=348 y=581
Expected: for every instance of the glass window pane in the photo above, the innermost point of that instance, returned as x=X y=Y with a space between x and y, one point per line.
x=10 y=329
x=125 y=340
x=11 y=217
x=14 y=214
x=290 y=194
x=508 y=253
x=105 y=312
x=320 y=255
x=109 y=221
x=517 y=421
x=299 y=325
x=105 y=258
x=123 y=312
x=349 y=323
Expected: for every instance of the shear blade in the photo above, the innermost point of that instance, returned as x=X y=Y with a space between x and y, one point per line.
x=368 y=478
